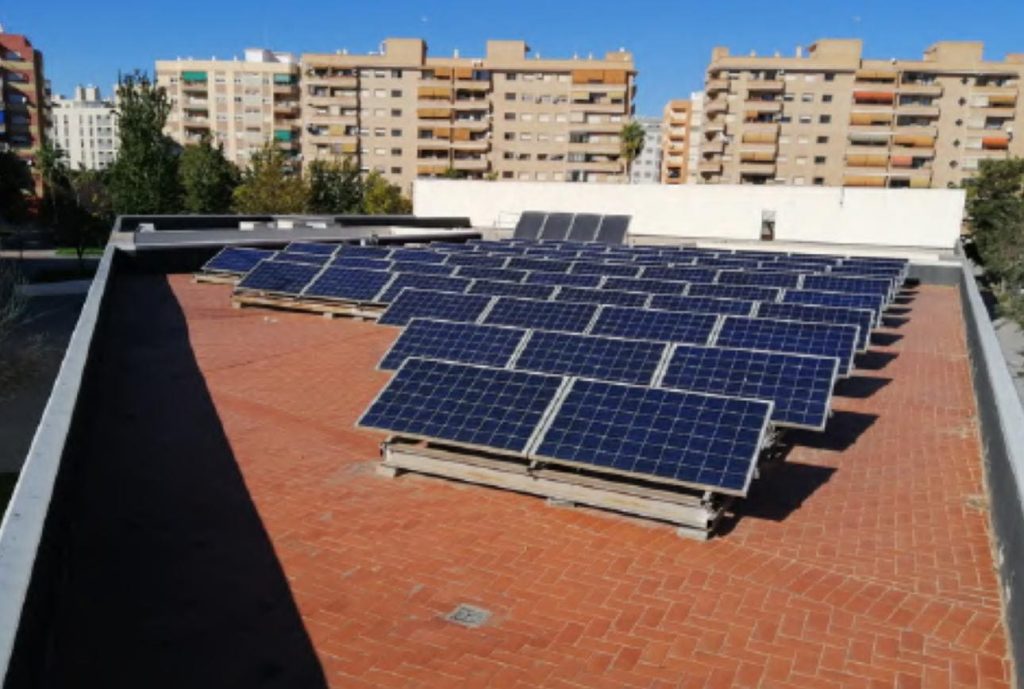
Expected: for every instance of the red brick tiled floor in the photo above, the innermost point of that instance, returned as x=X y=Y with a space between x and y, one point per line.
x=863 y=561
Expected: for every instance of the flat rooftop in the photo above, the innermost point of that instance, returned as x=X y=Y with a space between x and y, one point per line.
x=232 y=528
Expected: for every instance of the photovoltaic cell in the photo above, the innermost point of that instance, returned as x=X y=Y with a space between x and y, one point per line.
x=584 y=227
x=421 y=267
x=350 y=284
x=615 y=269
x=750 y=292
x=602 y=296
x=364 y=251
x=499 y=274
x=537 y=277
x=360 y=262
x=729 y=262
x=541 y=315
x=700 y=440
x=864 y=319
x=487 y=345
x=556 y=226
x=881 y=271
x=674 y=302
x=236 y=259
x=529 y=224
x=848 y=284
x=476 y=260
x=511 y=289
x=679 y=273
x=420 y=255
x=647 y=324
x=447 y=306
x=311 y=248
x=873 y=302
x=278 y=277
x=799 y=385
x=442 y=283
x=604 y=358
x=643 y=285
x=465 y=404
x=296 y=257
x=542 y=264
x=613 y=229
x=760 y=278
x=820 y=339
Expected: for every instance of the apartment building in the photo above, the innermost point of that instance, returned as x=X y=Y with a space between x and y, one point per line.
x=23 y=112
x=241 y=104
x=85 y=128
x=675 y=144
x=506 y=115
x=833 y=118
x=647 y=166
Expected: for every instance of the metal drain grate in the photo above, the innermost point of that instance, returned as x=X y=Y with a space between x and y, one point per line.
x=468 y=616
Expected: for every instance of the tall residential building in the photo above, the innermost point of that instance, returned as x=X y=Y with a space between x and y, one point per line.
x=505 y=115
x=833 y=118
x=696 y=126
x=675 y=146
x=239 y=103
x=85 y=128
x=647 y=166
x=23 y=115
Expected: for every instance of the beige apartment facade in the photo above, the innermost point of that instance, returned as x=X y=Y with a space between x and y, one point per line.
x=241 y=104
x=675 y=141
x=832 y=118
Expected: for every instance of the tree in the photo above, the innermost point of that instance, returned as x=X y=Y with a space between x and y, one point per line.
x=53 y=169
x=335 y=187
x=631 y=143
x=452 y=173
x=144 y=178
x=16 y=187
x=380 y=197
x=207 y=178
x=268 y=186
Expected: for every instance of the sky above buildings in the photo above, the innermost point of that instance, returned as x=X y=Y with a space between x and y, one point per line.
x=671 y=40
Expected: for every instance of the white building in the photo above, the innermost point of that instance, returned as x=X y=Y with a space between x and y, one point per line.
x=647 y=166
x=85 y=128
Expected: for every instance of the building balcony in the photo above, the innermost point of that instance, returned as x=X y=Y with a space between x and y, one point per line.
x=676 y=133
x=603 y=107
x=874 y=96
x=286 y=89
x=480 y=85
x=468 y=104
x=714 y=107
x=909 y=164
x=716 y=85
x=712 y=147
x=332 y=81
x=480 y=145
x=437 y=144
x=875 y=76
x=757 y=107
x=596 y=147
x=865 y=118
x=709 y=167
x=674 y=148
x=471 y=164
x=766 y=85
x=875 y=160
x=431 y=168
x=852 y=179
x=332 y=119
x=917 y=110
x=433 y=113
x=757 y=151
x=920 y=89
x=434 y=93
x=194 y=86
x=473 y=125
x=995 y=142
x=714 y=127
x=596 y=127
x=757 y=169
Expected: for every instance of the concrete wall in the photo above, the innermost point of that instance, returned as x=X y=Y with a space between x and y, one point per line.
x=882 y=217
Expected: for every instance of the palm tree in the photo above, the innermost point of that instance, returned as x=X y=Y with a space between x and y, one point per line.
x=631 y=143
x=54 y=171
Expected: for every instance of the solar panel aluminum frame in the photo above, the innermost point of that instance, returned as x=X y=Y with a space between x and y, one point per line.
x=223 y=271
x=509 y=366
x=545 y=426
x=278 y=293
x=336 y=300
x=863 y=340
x=483 y=313
x=713 y=339
x=514 y=361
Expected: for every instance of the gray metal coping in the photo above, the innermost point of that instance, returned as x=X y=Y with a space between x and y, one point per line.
x=217 y=237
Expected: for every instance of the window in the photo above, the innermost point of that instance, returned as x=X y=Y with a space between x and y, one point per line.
x=798 y=180
x=397 y=74
x=510 y=117
x=396 y=151
x=830 y=76
x=510 y=136
x=380 y=131
x=801 y=160
x=396 y=93
x=380 y=93
x=806 y=97
x=810 y=77
x=396 y=112
x=826 y=98
x=787 y=97
x=824 y=119
x=510 y=95
x=819 y=181
x=819 y=160
x=396 y=132
x=805 y=119
x=822 y=140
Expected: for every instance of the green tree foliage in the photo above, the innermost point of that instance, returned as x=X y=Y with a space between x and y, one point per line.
x=995 y=206
x=15 y=187
x=380 y=197
x=268 y=185
x=144 y=178
x=53 y=168
x=207 y=178
x=631 y=143
x=335 y=187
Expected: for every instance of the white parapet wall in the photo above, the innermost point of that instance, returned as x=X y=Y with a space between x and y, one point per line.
x=922 y=218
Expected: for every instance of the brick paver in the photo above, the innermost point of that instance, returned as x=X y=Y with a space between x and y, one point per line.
x=862 y=561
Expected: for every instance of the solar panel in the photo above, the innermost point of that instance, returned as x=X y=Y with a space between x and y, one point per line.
x=679 y=273
x=584 y=227
x=556 y=226
x=465 y=404
x=441 y=283
x=296 y=257
x=864 y=319
x=537 y=277
x=543 y=264
x=360 y=262
x=235 y=259
x=820 y=339
x=422 y=303
x=761 y=278
x=511 y=289
x=643 y=285
x=613 y=229
x=882 y=271
x=751 y=292
x=278 y=277
x=647 y=324
x=612 y=269
x=500 y=274
x=419 y=255
x=364 y=251
x=604 y=358
x=799 y=385
x=529 y=225
x=348 y=284
x=452 y=247
x=873 y=302
x=487 y=345
x=675 y=302
x=602 y=296
x=692 y=438
x=848 y=284
x=541 y=315
x=730 y=262
x=476 y=260
x=311 y=248
x=421 y=267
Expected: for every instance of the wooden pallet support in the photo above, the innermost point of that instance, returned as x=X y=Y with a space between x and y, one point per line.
x=215 y=278
x=324 y=308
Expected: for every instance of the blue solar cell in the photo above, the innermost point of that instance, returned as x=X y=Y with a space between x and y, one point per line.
x=541 y=315
x=441 y=283
x=452 y=247
x=361 y=262
x=642 y=285
x=535 y=277
x=760 y=278
x=511 y=289
x=729 y=262
x=278 y=277
x=680 y=273
x=820 y=339
x=466 y=258
x=602 y=296
x=421 y=267
x=350 y=284
x=419 y=255
x=873 y=302
x=236 y=259
x=799 y=385
x=296 y=257
x=864 y=319
x=647 y=324
x=499 y=274
x=542 y=264
x=364 y=251
x=616 y=269
x=465 y=404
x=881 y=271
x=674 y=302
x=848 y=284
x=311 y=248
x=604 y=358
x=423 y=303
x=487 y=345
x=751 y=292
x=688 y=437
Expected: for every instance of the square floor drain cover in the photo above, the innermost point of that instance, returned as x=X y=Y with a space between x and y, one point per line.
x=468 y=616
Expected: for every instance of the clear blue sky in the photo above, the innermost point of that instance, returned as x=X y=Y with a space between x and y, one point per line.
x=89 y=42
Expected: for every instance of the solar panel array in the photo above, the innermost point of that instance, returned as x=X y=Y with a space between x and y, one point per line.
x=575 y=227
